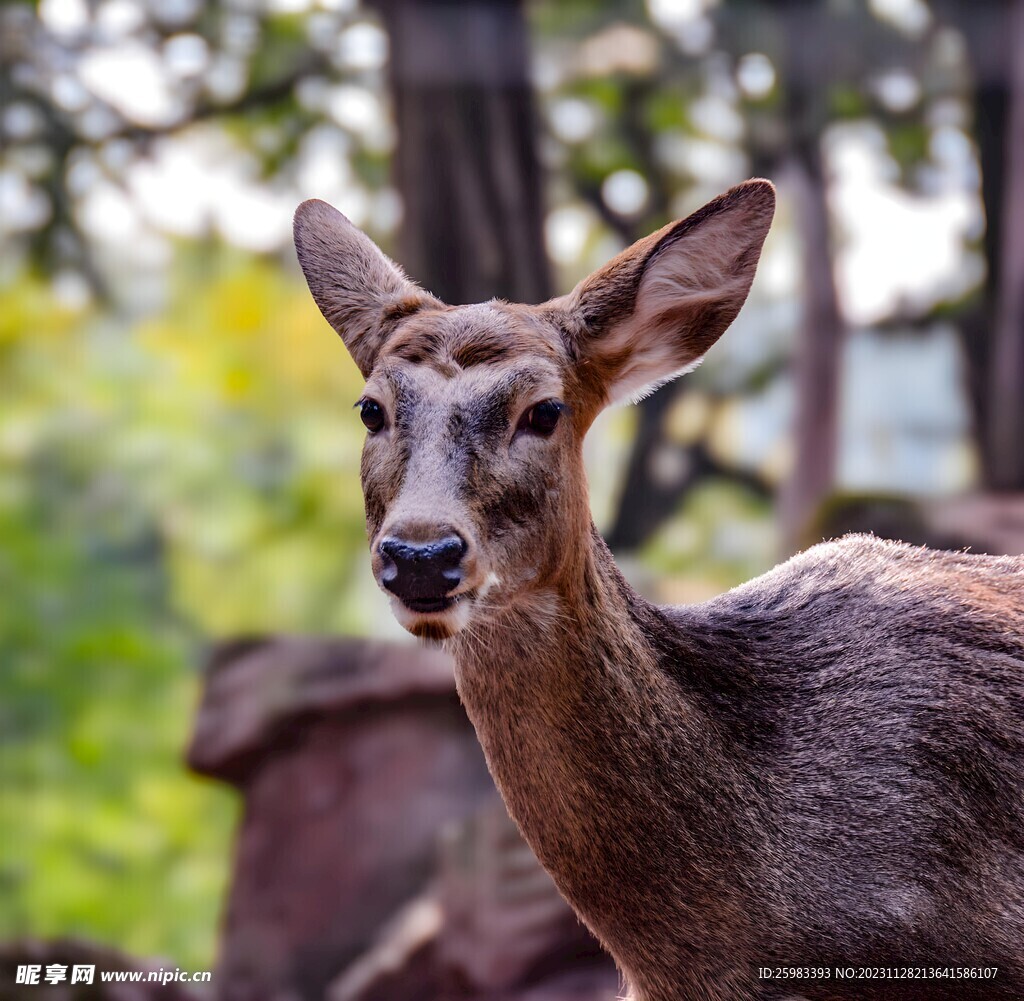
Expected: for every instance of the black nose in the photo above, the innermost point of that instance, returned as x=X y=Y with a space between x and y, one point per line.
x=422 y=574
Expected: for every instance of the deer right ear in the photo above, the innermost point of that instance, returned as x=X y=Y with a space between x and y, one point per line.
x=358 y=289
x=651 y=313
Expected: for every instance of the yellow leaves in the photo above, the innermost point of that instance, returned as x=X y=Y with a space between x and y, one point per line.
x=265 y=518
x=311 y=351
x=282 y=583
x=237 y=383
x=30 y=311
x=255 y=338
x=188 y=475
x=239 y=304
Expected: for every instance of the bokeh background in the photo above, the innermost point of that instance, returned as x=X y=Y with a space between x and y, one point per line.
x=178 y=452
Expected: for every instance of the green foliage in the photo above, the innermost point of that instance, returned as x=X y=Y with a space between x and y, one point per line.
x=195 y=476
x=282 y=47
x=723 y=536
x=574 y=18
x=847 y=102
x=908 y=145
x=105 y=836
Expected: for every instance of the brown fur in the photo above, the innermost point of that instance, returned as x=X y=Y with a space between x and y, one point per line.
x=824 y=766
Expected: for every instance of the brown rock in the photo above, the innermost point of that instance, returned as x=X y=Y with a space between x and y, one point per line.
x=351 y=755
x=375 y=861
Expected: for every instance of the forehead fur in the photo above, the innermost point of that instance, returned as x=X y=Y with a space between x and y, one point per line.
x=455 y=338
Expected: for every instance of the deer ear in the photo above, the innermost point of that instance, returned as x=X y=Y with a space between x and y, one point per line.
x=358 y=289
x=651 y=313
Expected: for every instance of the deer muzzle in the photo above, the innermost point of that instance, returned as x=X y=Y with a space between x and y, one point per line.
x=422 y=575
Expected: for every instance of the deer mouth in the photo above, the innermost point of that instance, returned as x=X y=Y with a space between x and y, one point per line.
x=436 y=618
x=427 y=605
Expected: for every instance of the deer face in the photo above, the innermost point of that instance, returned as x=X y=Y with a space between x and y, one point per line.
x=472 y=470
x=471 y=459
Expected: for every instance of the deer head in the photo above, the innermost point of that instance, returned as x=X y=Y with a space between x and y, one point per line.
x=472 y=471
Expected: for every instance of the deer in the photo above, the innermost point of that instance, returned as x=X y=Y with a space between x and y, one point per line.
x=823 y=767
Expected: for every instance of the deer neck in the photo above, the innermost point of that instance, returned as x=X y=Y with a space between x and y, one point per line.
x=574 y=712
x=579 y=637
x=586 y=700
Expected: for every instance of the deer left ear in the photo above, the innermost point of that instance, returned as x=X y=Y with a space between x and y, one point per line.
x=651 y=313
x=357 y=288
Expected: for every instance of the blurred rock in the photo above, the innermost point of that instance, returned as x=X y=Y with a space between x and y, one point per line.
x=375 y=861
x=505 y=925
x=981 y=523
x=492 y=928
x=259 y=691
x=990 y=523
x=351 y=756
x=401 y=963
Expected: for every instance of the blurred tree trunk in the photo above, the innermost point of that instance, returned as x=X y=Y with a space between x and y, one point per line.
x=660 y=472
x=993 y=337
x=817 y=356
x=990 y=119
x=1004 y=433
x=466 y=166
x=647 y=499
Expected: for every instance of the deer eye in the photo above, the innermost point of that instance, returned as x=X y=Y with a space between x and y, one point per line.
x=542 y=418
x=372 y=415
